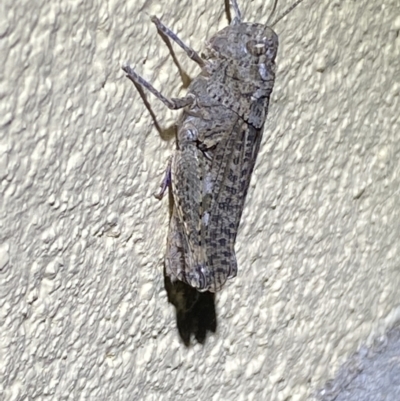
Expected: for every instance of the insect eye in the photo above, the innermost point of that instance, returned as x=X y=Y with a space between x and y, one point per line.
x=255 y=48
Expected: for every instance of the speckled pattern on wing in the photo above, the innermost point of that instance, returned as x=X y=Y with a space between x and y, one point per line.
x=219 y=138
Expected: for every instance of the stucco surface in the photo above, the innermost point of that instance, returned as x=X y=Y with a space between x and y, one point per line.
x=371 y=374
x=84 y=315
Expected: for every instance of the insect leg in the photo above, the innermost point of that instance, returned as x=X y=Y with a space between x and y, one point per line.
x=188 y=50
x=166 y=182
x=238 y=16
x=171 y=103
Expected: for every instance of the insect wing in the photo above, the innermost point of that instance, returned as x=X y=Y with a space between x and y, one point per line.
x=232 y=166
x=189 y=167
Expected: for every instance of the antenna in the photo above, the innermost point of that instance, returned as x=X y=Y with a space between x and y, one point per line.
x=286 y=12
x=272 y=12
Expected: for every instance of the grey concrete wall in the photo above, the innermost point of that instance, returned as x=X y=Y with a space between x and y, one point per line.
x=84 y=315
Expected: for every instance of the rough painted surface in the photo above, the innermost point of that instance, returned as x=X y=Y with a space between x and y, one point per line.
x=83 y=311
x=369 y=375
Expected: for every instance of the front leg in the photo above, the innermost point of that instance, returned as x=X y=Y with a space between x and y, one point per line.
x=188 y=50
x=171 y=103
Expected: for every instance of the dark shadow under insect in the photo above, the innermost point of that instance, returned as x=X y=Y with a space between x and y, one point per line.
x=195 y=311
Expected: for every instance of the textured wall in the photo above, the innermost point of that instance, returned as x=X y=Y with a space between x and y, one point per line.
x=84 y=315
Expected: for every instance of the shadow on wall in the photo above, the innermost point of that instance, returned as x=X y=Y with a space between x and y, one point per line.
x=195 y=311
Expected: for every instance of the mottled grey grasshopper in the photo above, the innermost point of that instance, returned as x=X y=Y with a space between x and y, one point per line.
x=218 y=140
